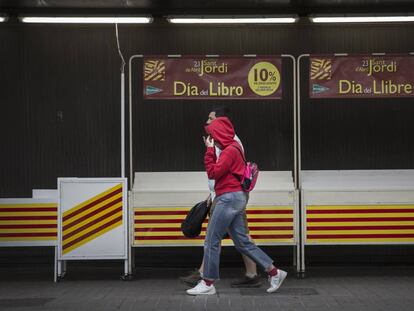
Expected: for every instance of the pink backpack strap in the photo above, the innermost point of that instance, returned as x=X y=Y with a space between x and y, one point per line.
x=238 y=177
x=241 y=152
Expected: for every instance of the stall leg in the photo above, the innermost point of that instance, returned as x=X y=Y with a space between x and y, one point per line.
x=295 y=255
x=131 y=238
x=130 y=260
x=55 y=268
x=133 y=258
x=127 y=276
x=301 y=244
x=297 y=248
x=61 y=270
x=301 y=272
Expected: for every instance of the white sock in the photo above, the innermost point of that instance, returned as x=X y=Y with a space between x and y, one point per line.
x=250 y=275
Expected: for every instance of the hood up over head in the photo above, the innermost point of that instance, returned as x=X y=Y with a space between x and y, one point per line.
x=222 y=131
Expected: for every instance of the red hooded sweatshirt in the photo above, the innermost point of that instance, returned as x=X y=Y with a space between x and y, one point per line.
x=230 y=161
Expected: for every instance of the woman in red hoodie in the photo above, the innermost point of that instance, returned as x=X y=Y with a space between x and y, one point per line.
x=229 y=209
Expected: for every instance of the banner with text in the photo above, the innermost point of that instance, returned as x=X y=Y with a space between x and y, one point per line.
x=361 y=76
x=212 y=78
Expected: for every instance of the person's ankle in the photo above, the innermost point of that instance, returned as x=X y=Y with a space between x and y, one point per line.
x=251 y=275
x=208 y=282
x=273 y=272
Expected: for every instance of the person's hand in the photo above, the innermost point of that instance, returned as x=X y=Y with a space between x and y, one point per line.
x=209 y=142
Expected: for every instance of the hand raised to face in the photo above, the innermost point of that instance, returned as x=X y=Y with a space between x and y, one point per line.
x=209 y=141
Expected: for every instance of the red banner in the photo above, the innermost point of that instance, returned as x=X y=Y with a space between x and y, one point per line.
x=363 y=76
x=212 y=78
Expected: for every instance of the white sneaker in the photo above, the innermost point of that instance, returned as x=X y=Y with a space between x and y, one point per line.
x=202 y=289
x=276 y=281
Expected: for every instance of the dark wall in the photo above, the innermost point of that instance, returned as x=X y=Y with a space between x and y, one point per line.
x=60 y=106
x=60 y=100
x=356 y=133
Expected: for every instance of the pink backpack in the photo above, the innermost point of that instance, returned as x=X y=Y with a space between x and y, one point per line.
x=250 y=175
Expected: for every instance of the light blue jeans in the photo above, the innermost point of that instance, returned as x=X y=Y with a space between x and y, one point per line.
x=228 y=217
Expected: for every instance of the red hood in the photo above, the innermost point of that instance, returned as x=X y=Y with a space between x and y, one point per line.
x=222 y=131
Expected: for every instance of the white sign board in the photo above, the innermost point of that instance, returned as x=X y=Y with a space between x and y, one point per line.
x=92 y=218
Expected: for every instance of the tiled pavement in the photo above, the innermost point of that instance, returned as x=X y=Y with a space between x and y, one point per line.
x=89 y=288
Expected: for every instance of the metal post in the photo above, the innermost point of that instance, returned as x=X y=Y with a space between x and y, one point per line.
x=131 y=170
x=131 y=254
x=299 y=164
x=296 y=253
x=295 y=170
x=122 y=124
x=298 y=122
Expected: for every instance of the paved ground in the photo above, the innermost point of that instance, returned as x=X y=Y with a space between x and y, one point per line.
x=90 y=288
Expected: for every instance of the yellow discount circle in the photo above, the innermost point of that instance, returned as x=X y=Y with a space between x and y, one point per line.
x=264 y=78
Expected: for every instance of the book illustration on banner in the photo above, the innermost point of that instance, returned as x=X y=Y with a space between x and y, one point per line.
x=154 y=70
x=321 y=69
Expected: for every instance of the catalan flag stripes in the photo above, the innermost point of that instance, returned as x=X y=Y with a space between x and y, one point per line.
x=92 y=218
x=359 y=223
x=28 y=222
x=162 y=226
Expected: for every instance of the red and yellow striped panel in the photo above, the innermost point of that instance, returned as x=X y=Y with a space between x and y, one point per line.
x=92 y=218
x=28 y=222
x=359 y=223
x=157 y=226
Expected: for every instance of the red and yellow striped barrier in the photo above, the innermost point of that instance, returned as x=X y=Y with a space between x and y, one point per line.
x=359 y=223
x=92 y=218
x=28 y=222
x=161 y=226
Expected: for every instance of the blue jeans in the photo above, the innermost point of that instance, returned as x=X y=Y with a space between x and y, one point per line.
x=228 y=217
